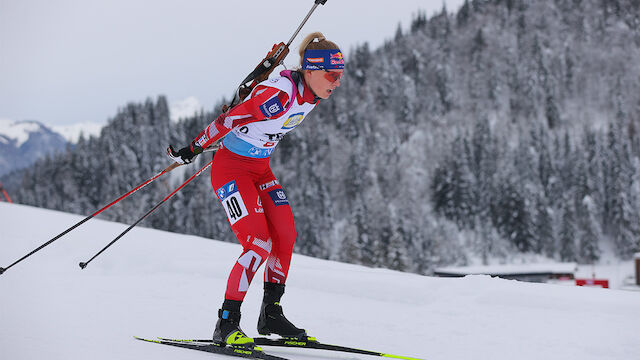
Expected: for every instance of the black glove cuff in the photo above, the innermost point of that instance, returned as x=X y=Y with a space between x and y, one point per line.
x=196 y=149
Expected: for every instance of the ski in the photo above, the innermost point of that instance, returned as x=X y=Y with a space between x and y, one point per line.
x=210 y=347
x=308 y=343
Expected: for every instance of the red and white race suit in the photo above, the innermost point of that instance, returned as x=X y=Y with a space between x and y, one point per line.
x=256 y=205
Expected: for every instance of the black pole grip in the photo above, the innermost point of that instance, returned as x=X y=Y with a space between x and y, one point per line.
x=321 y=2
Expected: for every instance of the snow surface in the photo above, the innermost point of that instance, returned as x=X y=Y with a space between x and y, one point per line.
x=154 y=283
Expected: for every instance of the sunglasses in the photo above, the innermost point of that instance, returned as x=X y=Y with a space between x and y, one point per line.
x=333 y=76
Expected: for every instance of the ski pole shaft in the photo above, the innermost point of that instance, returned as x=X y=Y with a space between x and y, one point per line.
x=315 y=5
x=147 y=182
x=85 y=263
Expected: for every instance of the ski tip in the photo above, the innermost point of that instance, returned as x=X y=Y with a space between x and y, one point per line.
x=179 y=340
x=398 y=357
x=174 y=340
x=195 y=340
x=149 y=340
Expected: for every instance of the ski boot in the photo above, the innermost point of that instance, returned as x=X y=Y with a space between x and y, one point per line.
x=272 y=319
x=228 y=331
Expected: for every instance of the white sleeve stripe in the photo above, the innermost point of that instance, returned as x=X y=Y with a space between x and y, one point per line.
x=228 y=121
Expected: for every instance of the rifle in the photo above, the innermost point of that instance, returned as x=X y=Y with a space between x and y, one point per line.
x=274 y=58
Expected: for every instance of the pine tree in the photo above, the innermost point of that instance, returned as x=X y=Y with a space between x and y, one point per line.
x=360 y=62
x=442 y=190
x=419 y=21
x=512 y=219
x=567 y=235
x=620 y=210
x=544 y=231
x=477 y=79
x=397 y=256
x=443 y=86
x=464 y=14
x=399 y=35
x=589 y=233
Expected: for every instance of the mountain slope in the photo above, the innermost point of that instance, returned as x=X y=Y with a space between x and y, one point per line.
x=24 y=142
x=154 y=283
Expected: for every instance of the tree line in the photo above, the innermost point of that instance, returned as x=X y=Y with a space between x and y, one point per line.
x=507 y=128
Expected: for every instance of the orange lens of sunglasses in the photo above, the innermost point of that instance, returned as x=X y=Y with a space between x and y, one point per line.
x=333 y=76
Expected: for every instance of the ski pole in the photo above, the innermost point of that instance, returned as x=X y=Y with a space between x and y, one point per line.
x=85 y=263
x=169 y=168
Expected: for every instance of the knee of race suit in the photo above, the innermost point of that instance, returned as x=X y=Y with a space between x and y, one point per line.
x=255 y=253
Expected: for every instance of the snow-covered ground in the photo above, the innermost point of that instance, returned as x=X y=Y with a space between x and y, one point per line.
x=154 y=283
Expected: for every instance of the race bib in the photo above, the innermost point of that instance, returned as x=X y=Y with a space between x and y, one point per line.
x=232 y=202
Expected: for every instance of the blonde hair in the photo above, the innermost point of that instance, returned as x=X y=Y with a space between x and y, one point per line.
x=309 y=43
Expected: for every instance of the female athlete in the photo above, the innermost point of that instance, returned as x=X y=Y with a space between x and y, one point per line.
x=256 y=204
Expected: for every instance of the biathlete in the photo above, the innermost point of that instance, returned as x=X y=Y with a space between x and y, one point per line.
x=256 y=205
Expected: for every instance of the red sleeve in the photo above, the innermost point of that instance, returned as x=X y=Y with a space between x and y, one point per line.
x=265 y=103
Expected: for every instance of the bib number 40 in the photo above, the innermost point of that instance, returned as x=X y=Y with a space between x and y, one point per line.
x=232 y=202
x=235 y=208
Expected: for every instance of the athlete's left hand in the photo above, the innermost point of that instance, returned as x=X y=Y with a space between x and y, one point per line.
x=184 y=155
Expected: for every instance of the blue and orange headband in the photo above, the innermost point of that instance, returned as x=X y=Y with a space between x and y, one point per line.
x=322 y=59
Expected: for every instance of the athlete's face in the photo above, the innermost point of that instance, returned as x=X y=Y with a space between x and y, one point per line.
x=323 y=82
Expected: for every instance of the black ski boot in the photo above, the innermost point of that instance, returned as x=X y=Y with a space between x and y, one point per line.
x=228 y=331
x=272 y=320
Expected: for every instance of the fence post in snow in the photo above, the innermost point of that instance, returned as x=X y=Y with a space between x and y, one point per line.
x=4 y=192
x=636 y=257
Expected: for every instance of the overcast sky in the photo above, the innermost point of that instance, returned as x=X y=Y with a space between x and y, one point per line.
x=70 y=61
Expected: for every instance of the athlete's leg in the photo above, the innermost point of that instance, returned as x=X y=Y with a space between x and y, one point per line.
x=239 y=197
x=283 y=235
x=281 y=227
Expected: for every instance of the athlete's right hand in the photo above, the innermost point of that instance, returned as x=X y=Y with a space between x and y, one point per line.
x=184 y=155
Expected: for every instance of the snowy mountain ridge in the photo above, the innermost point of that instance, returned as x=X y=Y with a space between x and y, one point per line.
x=24 y=142
x=43 y=139
x=18 y=131
x=72 y=132
x=155 y=283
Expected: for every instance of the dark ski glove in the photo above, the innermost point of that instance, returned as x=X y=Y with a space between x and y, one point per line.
x=184 y=155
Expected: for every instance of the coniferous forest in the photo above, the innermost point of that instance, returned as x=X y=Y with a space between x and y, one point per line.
x=507 y=127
